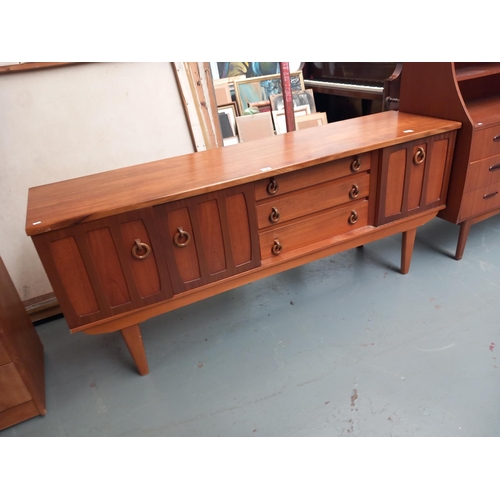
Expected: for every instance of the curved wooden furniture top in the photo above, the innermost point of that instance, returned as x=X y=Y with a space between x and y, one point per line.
x=62 y=204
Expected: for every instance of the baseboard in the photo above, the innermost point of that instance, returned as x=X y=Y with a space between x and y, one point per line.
x=42 y=307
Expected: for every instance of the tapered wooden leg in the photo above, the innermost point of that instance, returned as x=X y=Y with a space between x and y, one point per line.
x=407 y=249
x=462 y=238
x=133 y=339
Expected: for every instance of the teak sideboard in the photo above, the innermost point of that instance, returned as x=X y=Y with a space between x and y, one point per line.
x=125 y=245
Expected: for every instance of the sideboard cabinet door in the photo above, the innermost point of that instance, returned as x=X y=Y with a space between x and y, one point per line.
x=105 y=267
x=209 y=237
x=414 y=177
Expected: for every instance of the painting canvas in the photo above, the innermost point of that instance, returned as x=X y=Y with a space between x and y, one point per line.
x=261 y=88
x=248 y=69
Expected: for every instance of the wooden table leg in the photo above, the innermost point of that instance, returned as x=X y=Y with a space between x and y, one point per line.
x=462 y=238
x=407 y=249
x=133 y=339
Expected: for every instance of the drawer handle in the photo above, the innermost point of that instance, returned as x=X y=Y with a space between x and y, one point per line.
x=355 y=164
x=181 y=238
x=274 y=216
x=419 y=156
x=354 y=192
x=353 y=218
x=276 y=249
x=496 y=138
x=140 y=247
x=273 y=186
x=490 y=195
x=495 y=167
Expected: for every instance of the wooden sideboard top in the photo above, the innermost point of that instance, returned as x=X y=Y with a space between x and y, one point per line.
x=62 y=204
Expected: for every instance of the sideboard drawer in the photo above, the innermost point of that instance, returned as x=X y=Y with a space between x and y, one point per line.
x=485 y=143
x=324 y=172
x=482 y=173
x=313 y=200
x=280 y=240
x=480 y=200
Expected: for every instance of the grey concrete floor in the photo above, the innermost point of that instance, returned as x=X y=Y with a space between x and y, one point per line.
x=345 y=346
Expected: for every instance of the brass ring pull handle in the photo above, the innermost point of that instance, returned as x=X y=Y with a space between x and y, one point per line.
x=273 y=186
x=274 y=216
x=354 y=192
x=419 y=156
x=353 y=218
x=490 y=195
x=140 y=247
x=181 y=238
x=355 y=164
x=276 y=249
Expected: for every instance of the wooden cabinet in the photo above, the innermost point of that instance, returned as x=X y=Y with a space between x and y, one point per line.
x=22 y=375
x=209 y=237
x=204 y=223
x=469 y=93
x=414 y=177
x=117 y=262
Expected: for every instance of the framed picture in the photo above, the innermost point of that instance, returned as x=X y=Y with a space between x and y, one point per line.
x=261 y=88
x=227 y=119
x=279 y=117
x=312 y=120
x=299 y=98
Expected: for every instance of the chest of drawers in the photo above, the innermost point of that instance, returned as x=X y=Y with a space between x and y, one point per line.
x=22 y=371
x=469 y=93
x=126 y=245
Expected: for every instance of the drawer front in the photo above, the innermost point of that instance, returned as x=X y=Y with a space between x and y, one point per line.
x=485 y=143
x=312 y=200
x=482 y=173
x=284 y=183
x=481 y=200
x=280 y=240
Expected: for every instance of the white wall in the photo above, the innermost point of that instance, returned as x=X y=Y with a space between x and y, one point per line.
x=71 y=121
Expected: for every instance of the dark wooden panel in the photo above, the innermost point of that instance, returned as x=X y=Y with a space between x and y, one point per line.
x=71 y=269
x=108 y=267
x=17 y=414
x=145 y=271
x=4 y=355
x=239 y=229
x=20 y=341
x=13 y=392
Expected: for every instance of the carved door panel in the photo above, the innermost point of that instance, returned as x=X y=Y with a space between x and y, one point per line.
x=105 y=267
x=209 y=237
x=414 y=177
